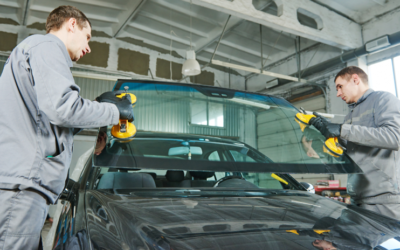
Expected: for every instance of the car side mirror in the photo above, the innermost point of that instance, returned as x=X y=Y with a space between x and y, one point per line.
x=66 y=193
x=309 y=187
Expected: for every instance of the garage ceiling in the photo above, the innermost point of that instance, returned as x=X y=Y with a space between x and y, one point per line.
x=169 y=24
x=360 y=11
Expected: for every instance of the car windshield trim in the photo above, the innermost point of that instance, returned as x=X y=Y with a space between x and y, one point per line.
x=206 y=192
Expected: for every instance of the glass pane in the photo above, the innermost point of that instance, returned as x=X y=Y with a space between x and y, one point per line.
x=216 y=114
x=214 y=156
x=220 y=175
x=396 y=65
x=260 y=134
x=381 y=77
x=102 y=181
x=199 y=113
x=241 y=156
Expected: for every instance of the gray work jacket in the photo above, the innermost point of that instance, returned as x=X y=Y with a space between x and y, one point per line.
x=372 y=132
x=40 y=106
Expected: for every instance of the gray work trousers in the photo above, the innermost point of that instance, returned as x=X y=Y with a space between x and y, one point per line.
x=22 y=216
x=389 y=210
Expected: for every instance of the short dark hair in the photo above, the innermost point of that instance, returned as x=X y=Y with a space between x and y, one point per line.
x=349 y=71
x=61 y=14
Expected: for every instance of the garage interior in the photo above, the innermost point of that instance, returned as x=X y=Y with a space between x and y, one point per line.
x=287 y=48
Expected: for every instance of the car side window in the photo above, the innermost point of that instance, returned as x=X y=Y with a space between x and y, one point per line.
x=239 y=157
x=214 y=156
x=220 y=175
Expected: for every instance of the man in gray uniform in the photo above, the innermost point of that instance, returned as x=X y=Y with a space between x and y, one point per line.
x=371 y=134
x=40 y=106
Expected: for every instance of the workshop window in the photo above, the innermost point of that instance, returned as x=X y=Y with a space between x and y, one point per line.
x=381 y=76
x=206 y=113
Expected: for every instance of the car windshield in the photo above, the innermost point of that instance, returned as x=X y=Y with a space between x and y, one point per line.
x=191 y=127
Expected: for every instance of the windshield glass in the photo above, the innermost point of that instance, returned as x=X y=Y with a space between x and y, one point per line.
x=192 y=127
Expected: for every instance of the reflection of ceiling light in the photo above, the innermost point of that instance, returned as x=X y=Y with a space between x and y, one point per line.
x=322 y=114
x=391 y=244
x=250 y=103
x=191 y=66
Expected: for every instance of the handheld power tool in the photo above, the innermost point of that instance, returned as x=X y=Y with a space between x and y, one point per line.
x=331 y=145
x=125 y=130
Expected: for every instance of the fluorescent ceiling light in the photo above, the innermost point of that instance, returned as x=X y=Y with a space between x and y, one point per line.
x=254 y=70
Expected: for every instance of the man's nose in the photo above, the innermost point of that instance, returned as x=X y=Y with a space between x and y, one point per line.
x=338 y=93
x=88 y=50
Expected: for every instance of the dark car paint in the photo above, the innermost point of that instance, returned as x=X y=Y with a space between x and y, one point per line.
x=259 y=222
x=145 y=219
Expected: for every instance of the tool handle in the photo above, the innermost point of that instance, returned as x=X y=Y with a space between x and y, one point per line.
x=133 y=97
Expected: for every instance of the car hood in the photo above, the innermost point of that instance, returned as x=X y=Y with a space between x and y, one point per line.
x=279 y=220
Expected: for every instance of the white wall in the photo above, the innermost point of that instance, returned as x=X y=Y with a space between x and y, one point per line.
x=380 y=26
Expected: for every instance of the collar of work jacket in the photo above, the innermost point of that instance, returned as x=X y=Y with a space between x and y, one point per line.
x=62 y=47
x=363 y=98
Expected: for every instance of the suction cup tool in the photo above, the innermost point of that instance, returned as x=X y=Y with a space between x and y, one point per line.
x=124 y=130
x=331 y=147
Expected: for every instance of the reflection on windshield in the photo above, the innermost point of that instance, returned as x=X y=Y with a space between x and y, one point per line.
x=101 y=142
x=181 y=147
x=194 y=122
x=127 y=179
x=313 y=143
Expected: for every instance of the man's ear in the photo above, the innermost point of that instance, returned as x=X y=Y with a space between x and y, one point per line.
x=71 y=24
x=356 y=79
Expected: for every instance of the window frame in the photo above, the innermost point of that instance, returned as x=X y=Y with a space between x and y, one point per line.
x=394 y=74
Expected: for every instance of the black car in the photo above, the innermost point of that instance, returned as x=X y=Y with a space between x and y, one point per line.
x=209 y=169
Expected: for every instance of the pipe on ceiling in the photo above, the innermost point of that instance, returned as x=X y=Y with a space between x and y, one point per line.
x=394 y=39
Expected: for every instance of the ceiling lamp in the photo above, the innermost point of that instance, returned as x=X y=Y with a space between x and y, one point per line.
x=191 y=66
